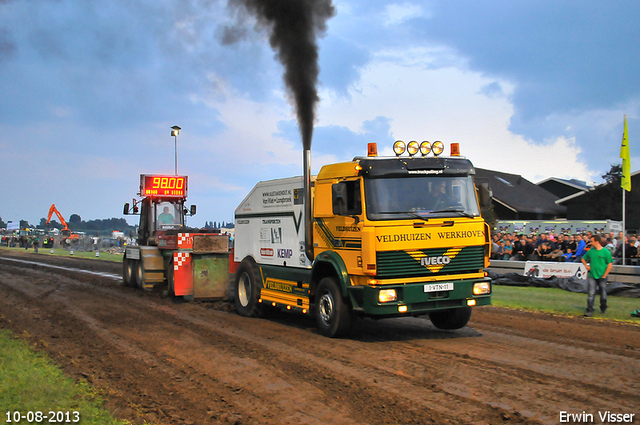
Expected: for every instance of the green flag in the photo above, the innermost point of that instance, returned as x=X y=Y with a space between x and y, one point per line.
x=626 y=161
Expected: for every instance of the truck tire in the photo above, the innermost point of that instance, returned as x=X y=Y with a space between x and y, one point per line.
x=171 y=287
x=451 y=319
x=333 y=314
x=140 y=274
x=128 y=272
x=247 y=290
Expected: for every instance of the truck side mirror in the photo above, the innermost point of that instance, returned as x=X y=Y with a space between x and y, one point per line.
x=126 y=209
x=192 y=211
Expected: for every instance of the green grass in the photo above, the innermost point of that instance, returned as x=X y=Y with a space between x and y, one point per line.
x=105 y=256
x=558 y=301
x=30 y=382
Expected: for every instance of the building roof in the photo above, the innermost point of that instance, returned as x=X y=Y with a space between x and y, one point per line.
x=576 y=184
x=561 y=201
x=519 y=194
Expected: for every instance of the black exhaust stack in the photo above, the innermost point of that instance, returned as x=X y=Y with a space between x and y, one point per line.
x=293 y=27
x=308 y=206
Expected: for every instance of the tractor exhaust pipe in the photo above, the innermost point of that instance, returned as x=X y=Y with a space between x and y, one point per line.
x=308 y=207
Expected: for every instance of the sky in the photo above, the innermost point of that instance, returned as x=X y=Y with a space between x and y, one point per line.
x=89 y=90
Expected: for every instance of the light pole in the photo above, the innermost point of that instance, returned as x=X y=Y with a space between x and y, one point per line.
x=175 y=130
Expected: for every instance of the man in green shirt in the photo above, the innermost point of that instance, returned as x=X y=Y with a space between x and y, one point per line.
x=598 y=262
x=165 y=217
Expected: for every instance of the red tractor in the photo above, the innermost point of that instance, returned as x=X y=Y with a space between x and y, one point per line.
x=192 y=262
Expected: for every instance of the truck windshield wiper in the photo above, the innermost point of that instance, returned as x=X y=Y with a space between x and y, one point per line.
x=456 y=210
x=409 y=213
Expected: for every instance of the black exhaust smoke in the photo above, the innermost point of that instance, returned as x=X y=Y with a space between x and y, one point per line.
x=294 y=27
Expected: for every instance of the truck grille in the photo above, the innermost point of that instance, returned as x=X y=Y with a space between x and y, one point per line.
x=430 y=262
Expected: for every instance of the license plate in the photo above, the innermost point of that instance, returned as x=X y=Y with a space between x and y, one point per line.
x=437 y=287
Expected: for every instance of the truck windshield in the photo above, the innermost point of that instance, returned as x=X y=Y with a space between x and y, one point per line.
x=168 y=215
x=420 y=197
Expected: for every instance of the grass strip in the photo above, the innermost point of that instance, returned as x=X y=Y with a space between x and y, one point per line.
x=104 y=256
x=30 y=382
x=558 y=301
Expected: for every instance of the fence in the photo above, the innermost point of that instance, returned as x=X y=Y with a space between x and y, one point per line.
x=622 y=274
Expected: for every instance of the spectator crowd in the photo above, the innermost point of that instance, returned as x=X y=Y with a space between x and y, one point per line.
x=561 y=247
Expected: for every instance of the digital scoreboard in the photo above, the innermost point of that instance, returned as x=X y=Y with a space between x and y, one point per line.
x=163 y=186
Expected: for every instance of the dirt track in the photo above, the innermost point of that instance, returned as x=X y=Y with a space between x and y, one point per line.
x=198 y=363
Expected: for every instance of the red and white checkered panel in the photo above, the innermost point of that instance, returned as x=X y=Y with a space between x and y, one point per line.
x=179 y=258
x=182 y=273
x=185 y=240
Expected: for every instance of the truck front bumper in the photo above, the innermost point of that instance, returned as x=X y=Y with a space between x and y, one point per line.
x=414 y=299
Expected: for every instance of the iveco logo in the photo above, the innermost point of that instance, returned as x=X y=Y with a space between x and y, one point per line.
x=433 y=261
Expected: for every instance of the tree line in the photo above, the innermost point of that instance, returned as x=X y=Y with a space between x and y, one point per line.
x=76 y=224
x=101 y=226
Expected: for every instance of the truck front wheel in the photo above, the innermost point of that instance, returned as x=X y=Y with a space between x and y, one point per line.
x=140 y=273
x=333 y=315
x=248 y=290
x=451 y=319
x=128 y=271
x=171 y=282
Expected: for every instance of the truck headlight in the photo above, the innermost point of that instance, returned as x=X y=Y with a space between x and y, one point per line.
x=481 y=288
x=387 y=295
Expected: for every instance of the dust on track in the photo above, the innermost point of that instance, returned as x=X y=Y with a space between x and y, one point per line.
x=195 y=363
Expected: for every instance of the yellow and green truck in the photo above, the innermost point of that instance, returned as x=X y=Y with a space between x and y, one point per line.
x=374 y=237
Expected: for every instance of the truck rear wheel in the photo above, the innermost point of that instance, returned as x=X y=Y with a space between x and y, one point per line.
x=451 y=319
x=247 y=290
x=333 y=315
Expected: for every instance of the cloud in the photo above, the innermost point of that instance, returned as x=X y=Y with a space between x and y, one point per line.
x=341 y=61
x=397 y=14
x=448 y=104
x=339 y=142
x=493 y=89
x=88 y=91
x=558 y=65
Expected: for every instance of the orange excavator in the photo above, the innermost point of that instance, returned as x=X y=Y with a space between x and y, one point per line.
x=67 y=236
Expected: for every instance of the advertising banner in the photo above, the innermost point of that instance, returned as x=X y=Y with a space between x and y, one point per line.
x=544 y=269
